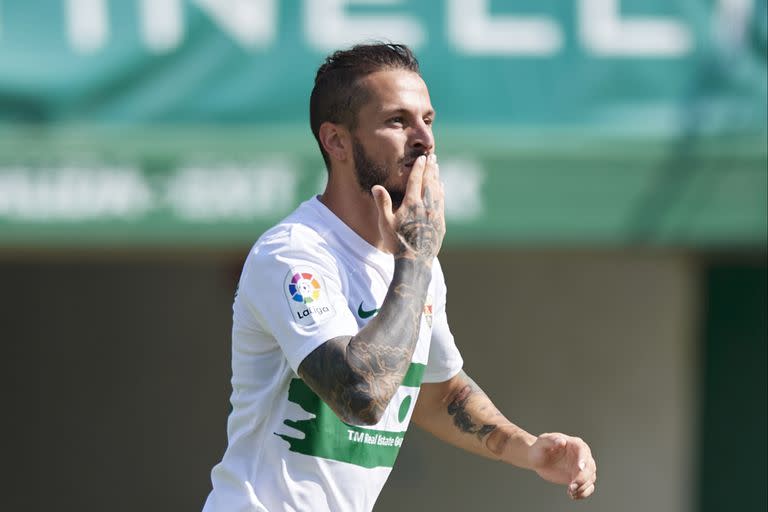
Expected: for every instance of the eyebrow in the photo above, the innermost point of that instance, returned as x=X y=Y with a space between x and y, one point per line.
x=389 y=111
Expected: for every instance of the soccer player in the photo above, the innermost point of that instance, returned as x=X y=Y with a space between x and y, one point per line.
x=340 y=336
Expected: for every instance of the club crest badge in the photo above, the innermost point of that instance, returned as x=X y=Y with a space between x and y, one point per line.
x=428 y=311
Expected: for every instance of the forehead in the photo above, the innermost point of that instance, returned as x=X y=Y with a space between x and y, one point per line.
x=395 y=89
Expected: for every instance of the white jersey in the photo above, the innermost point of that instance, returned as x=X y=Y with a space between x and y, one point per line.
x=307 y=280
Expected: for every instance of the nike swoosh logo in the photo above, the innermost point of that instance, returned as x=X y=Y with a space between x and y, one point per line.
x=366 y=314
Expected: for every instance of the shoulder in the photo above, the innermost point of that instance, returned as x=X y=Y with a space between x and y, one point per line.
x=301 y=231
x=289 y=236
x=290 y=245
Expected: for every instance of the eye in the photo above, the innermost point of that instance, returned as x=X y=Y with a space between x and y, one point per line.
x=396 y=120
x=428 y=121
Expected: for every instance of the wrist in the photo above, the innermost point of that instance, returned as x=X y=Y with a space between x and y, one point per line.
x=405 y=252
x=512 y=445
x=530 y=441
x=414 y=271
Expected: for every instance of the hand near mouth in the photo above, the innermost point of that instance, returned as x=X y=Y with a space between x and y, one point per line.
x=416 y=229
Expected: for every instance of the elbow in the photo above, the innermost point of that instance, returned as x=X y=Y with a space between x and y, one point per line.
x=364 y=409
x=364 y=420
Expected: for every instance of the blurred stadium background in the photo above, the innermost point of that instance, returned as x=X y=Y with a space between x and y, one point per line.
x=605 y=164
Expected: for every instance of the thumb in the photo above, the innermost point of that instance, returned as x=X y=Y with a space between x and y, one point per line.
x=383 y=203
x=552 y=441
x=548 y=449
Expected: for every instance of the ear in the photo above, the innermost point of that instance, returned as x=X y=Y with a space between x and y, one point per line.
x=335 y=140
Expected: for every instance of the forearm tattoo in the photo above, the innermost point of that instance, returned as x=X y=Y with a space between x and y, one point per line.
x=358 y=376
x=462 y=418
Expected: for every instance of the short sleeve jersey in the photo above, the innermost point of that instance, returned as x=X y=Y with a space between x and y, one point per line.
x=307 y=280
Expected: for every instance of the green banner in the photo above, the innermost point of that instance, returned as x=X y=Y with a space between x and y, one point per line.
x=166 y=122
x=204 y=187
x=632 y=65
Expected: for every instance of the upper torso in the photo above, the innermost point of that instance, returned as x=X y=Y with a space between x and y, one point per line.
x=307 y=280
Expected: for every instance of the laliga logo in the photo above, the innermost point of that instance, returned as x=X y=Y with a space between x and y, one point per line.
x=305 y=289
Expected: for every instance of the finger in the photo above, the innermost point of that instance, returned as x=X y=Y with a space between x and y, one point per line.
x=432 y=168
x=587 y=476
x=548 y=449
x=553 y=442
x=383 y=203
x=431 y=171
x=432 y=181
x=416 y=178
x=581 y=454
x=586 y=485
x=584 y=494
x=433 y=193
x=576 y=489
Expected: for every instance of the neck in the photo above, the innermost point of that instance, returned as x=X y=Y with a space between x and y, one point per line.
x=355 y=208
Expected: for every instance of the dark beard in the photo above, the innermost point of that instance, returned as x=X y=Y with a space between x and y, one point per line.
x=370 y=173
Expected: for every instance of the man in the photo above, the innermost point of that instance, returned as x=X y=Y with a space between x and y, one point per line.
x=340 y=322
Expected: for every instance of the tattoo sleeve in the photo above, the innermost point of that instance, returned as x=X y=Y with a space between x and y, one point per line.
x=358 y=376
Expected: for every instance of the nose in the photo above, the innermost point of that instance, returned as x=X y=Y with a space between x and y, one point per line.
x=422 y=138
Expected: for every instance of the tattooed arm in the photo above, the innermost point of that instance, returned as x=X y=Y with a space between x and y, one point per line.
x=357 y=376
x=460 y=413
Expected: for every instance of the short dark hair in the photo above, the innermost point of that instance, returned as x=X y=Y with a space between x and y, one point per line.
x=337 y=95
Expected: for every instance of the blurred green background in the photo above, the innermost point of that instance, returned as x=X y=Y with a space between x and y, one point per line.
x=607 y=203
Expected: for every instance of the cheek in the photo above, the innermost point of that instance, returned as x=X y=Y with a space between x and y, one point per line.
x=391 y=142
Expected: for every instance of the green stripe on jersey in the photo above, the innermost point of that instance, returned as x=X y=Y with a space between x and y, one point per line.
x=415 y=373
x=326 y=436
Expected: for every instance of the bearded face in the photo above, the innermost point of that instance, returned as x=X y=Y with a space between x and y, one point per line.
x=391 y=130
x=370 y=172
